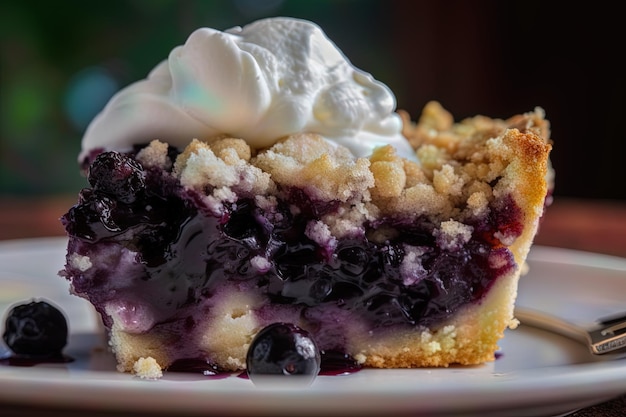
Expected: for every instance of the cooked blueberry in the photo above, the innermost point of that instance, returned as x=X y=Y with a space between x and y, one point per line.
x=283 y=349
x=117 y=174
x=35 y=329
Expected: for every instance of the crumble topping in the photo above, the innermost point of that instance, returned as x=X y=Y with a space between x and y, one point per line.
x=411 y=269
x=453 y=235
x=328 y=172
x=348 y=221
x=320 y=233
x=199 y=167
x=459 y=162
x=155 y=156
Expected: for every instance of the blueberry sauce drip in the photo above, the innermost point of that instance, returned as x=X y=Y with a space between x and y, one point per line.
x=338 y=363
x=193 y=365
x=28 y=361
x=178 y=240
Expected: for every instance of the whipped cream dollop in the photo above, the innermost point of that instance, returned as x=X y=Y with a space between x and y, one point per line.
x=267 y=80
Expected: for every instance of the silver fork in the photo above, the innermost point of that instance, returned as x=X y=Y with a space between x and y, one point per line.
x=606 y=338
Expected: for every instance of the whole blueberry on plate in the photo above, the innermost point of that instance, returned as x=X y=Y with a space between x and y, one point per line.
x=36 y=328
x=283 y=350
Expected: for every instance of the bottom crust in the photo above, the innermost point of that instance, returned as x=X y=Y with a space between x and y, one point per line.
x=470 y=338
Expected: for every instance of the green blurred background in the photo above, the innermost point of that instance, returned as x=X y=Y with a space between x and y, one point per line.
x=61 y=61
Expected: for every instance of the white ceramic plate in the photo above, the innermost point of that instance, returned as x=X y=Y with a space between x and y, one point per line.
x=536 y=374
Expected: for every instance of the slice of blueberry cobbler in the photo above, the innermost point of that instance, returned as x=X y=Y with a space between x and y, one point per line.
x=188 y=253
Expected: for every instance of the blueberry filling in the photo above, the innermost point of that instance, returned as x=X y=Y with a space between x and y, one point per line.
x=180 y=243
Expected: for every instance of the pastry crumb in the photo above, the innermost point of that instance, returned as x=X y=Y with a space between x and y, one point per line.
x=155 y=155
x=147 y=368
x=80 y=262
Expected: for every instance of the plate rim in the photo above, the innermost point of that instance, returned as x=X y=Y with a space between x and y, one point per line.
x=588 y=381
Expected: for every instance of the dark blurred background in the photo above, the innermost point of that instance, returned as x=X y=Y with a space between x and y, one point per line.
x=61 y=61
